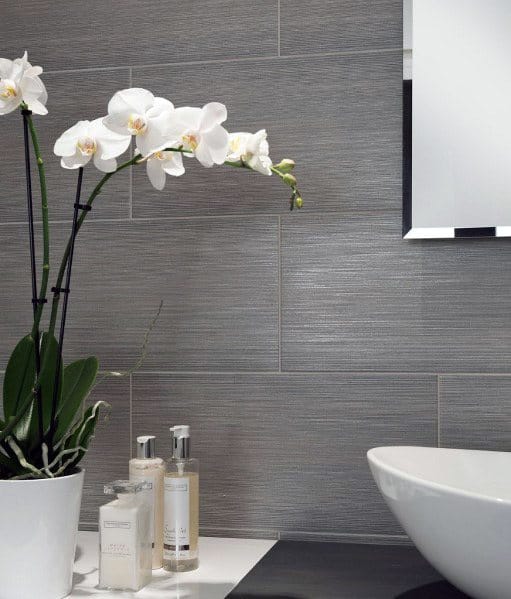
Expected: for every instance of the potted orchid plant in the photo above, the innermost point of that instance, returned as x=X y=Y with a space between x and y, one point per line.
x=47 y=422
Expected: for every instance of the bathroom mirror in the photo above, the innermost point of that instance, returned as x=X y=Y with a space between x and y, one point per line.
x=456 y=118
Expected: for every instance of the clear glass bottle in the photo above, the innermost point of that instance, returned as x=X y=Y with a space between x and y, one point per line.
x=124 y=528
x=181 y=505
x=146 y=467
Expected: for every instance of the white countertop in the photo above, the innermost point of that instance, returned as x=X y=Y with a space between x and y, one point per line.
x=223 y=563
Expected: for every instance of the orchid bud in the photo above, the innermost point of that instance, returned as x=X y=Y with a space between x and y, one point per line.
x=289 y=180
x=298 y=202
x=286 y=165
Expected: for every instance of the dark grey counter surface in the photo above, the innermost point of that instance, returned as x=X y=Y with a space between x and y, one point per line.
x=310 y=570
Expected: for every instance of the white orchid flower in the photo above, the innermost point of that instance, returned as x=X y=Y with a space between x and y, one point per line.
x=137 y=112
x=91 y=139
x=164 y=163
x=20 y=82
x=199 y=131
x=252 y=149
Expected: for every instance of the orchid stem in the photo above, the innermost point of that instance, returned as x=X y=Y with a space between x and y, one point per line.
x=37 y=302
x=66 y=290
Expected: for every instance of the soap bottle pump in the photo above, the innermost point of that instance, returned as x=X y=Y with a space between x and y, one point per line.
x=146 y=467
x=181 y=505
x=124 y=528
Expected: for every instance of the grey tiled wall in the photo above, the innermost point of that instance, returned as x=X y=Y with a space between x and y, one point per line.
x=291 y=343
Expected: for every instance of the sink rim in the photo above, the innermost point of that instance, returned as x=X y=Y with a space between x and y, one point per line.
x=372 y=457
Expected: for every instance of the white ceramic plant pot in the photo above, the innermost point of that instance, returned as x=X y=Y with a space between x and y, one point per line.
x=38 y=526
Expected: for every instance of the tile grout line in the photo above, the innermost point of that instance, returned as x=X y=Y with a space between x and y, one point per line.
x=438 y=410
x=130 y=84
x=131 y=416
x=379 y=373
x=339 y=53
x=278 y=27
x=239 y=215
x=279 y=288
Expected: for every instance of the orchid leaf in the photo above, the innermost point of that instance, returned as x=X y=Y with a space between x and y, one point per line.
x=49 y=355
x=79 y=377
x=84 y=433
x=19 y=380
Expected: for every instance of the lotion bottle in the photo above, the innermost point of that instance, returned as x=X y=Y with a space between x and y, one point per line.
x=146 y=467
x=181 y=505
x=124 y=528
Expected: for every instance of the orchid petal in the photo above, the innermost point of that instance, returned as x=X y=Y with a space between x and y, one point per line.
x=203 y=155
x=75 y=161
x=7 y=106
x=174 y=166
x=213 y=114
x=154 y=139
x=189 y=116
x=156 y=174
x=66 y=143
x=5 y=68
x=217 y=140
x=113 y=147
x=160 y=105
x=37 y=107
x=106 y=166
x=134 y=99
x=110 y=144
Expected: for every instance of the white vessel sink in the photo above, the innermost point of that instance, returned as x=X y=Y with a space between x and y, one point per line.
x=455 y=505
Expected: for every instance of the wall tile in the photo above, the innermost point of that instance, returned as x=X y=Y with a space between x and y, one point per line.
x=71 y=97
x=287 y=452
x=308 y=26
x=217 y=278
x=475 y=412
x=357 y=297
x=338 y=117
x=99 y=34
x=109 y=453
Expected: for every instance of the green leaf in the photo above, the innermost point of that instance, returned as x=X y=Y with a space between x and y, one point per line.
x=84 y=432
x=11 y=466
x=49 y=354
x=19 y=379
x=79 y=377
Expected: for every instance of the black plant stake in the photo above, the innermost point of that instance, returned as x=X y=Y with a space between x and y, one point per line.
x=65 y=290
x=35 y=300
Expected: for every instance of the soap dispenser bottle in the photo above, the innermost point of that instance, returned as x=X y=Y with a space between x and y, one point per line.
x=181 y=505
x=146 y=467
x=124 y=542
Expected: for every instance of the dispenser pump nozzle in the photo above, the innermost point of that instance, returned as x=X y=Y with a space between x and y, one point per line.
x=146 y=446
x=180 y=441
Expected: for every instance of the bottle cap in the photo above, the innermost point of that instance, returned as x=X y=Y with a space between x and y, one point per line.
x=180 y=441
x=125 y=486
x=146 y=446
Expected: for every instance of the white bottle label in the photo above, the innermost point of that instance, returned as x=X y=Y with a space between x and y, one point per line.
x=148 y=496
x=118 y=564
x=176 y=530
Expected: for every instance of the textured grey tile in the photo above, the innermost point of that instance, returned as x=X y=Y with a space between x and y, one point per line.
x=217 y=278
x=357 y=297
x=287 y=452
x=71 y=97
x=475 y=412
x=70 y=35
x=332 y=537
x=308 y=26
x=338 y=117
x=109 y=453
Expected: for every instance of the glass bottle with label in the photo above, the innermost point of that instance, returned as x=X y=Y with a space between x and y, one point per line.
x=146 y=467
x=181 y=505
x=124 y=529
